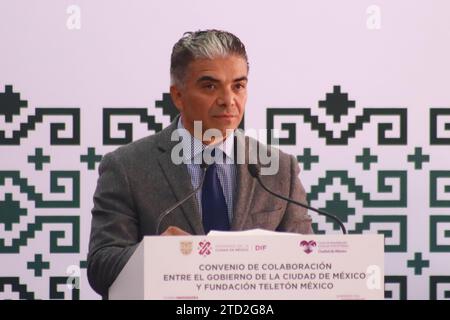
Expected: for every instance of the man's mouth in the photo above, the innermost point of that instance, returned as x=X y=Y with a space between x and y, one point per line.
x=225 y=116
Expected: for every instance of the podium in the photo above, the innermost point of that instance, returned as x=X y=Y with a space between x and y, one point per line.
x=254 y=266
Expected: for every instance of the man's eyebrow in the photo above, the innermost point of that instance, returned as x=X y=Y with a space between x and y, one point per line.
x=211 y=79
x=207 y=78
x=244 y=78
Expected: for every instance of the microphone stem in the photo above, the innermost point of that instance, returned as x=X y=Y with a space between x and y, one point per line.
x=162 y=216
x=344 y=231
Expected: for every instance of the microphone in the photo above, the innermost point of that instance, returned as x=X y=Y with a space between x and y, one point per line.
x=255 y=172
x=204 y=166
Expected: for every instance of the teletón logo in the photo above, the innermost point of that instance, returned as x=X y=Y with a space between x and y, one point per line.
x=308 y=246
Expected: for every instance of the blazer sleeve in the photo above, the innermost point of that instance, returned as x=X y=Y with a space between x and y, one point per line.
x=296 y=218
x=114 y=227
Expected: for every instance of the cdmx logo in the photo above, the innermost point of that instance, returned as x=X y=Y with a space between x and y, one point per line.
x=308 y=246
x=204 y=248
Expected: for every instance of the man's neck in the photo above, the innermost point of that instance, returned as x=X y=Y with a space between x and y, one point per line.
x=199 y=134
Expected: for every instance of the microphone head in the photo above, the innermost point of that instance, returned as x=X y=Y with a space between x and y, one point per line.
x=254 y=170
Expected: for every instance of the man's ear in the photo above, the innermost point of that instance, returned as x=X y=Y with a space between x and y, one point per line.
x=175 y=93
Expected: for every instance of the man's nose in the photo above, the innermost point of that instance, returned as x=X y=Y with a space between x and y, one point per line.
x=226 y=98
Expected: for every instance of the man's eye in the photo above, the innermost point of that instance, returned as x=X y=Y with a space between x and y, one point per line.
x=209 y=86
x=240 y=86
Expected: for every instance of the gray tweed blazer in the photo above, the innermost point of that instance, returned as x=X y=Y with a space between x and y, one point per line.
x=138 y=181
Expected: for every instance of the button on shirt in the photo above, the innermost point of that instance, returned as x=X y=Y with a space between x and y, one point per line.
x=226 y=170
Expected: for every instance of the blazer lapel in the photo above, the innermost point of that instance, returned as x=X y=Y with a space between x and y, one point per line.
x=179 y=179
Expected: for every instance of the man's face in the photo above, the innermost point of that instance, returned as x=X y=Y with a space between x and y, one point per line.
x=214 y=92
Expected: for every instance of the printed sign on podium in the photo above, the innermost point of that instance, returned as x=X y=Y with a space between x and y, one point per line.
x=254 y=266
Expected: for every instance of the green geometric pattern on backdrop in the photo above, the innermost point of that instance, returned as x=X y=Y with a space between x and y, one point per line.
x=44 y=206
x=370 y=194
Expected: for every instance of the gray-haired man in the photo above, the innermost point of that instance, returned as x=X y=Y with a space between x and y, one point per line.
x=139 y=181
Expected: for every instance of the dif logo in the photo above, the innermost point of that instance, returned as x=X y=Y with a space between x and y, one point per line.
x=260 y=247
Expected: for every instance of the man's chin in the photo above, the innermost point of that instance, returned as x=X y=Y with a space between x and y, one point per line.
x=225 y=128
x=224 y=123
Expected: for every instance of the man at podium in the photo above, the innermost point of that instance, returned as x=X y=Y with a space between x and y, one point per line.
x=143 y=188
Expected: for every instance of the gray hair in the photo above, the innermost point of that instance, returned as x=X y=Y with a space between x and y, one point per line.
x=206 y=44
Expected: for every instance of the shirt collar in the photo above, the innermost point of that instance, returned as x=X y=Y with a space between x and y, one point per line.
x=195 y=147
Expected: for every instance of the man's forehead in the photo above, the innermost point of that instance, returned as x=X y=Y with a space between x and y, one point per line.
x=215 y=69
x=215 y=64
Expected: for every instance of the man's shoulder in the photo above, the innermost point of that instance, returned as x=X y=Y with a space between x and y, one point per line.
x=267 y=149
x=145 y=148
x=282 y=163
